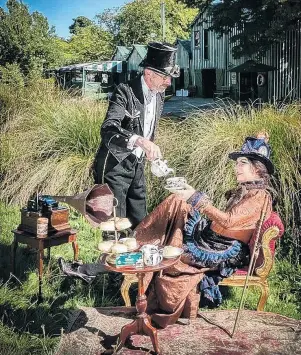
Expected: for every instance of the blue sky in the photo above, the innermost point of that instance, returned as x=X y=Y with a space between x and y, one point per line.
x=61 y=12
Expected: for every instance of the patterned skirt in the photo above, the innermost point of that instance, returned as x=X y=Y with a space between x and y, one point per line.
x=205 y=248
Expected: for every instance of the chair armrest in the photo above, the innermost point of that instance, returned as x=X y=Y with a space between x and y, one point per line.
x=266 y=252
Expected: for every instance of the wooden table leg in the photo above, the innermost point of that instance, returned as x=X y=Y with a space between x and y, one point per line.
x=142 y=323
x=40 y=257
x=14 y=247
x=75 y=250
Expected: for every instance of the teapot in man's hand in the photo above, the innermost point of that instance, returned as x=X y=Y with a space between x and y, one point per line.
x=160 y=169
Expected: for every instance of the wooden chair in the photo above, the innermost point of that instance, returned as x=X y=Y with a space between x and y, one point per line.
x=271 y=230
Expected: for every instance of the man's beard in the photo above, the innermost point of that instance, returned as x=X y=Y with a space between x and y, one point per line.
x=161 y=89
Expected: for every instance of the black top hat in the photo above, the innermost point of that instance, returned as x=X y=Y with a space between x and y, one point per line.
x=256 y=148
x=161 y=58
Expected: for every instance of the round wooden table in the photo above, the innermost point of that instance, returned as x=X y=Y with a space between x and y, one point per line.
x=142 y=323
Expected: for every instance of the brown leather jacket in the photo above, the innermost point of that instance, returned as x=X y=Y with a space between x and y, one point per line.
x=239 y=221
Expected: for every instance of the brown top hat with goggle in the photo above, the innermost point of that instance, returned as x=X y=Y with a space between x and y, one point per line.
x=161 y=58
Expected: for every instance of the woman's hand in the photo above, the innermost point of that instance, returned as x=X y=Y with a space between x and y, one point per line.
x=186 y=192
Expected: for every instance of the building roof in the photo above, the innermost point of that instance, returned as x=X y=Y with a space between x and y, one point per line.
x=141 y=49
x=105 y=66
x=202 y=11
x=186 y=44
x=124 y=51
x=250 y=66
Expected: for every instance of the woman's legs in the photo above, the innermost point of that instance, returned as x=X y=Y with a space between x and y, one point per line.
x=164 y=225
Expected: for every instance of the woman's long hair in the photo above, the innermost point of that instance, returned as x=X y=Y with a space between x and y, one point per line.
x=262 y=171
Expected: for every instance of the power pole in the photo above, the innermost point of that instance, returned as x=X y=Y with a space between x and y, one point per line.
x=163 y=20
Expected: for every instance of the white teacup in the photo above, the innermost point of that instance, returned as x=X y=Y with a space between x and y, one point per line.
x=159 y=168
x=151 y=255
x=177 y=182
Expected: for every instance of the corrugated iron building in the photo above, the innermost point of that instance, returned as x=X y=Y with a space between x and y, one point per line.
x=212 y=61
x=121 y=53
x=135 y=57
x=183 y=59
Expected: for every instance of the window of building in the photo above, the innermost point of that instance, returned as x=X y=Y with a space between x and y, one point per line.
x=196 y=38
x=206 y=44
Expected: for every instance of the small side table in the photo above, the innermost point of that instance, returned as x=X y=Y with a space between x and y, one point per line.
x=58 y=238
x=142 y=323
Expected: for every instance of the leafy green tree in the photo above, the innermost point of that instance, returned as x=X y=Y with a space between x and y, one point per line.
x=24 y=37
x=140 y=21
x=12 y=75
x=91 y=44
x=61 y=53
x=196 y=3
x=259 y=22
x=79 y=22
x=109 y=21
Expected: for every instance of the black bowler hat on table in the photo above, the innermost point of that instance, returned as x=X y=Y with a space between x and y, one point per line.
x=161 y=58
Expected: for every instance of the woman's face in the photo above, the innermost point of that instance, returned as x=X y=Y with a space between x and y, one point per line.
x=245 y=170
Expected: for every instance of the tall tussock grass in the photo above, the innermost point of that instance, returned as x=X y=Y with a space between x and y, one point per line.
x=50 y=145
x=198 y=149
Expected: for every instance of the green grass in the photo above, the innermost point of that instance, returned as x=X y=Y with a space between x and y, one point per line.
x=35 y=328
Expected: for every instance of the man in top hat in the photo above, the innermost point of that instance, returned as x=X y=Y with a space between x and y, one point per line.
x=128 y=131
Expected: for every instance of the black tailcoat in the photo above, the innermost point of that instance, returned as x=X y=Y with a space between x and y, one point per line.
x=114 y=162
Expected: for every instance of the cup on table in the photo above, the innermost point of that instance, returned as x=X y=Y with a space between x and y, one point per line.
x=152 y=256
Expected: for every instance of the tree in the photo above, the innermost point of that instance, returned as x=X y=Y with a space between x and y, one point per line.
x=24 y=38
x=140 y=21
x=91 y=43
x=61 y=53
x=79 y=22
x=260 y=23
x=109 y=21
x=195 y=3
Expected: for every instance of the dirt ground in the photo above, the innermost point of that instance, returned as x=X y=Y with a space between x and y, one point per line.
x=94 y=331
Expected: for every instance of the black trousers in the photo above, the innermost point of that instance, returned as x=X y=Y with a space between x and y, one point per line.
x=127 y=182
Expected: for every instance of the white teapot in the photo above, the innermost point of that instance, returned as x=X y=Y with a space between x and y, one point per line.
x=160 y=169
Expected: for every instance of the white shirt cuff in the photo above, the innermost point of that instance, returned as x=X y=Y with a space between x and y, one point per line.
x=132 y=141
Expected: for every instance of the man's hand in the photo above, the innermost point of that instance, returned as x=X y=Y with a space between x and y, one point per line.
x=185 y=193
x=151 y=150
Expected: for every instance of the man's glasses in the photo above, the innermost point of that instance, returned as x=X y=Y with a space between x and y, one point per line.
x=162 y=76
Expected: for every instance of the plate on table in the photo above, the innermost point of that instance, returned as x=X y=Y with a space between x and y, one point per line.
x=170 y=252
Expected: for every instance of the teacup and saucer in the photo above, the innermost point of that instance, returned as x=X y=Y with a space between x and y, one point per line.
x=176 y=183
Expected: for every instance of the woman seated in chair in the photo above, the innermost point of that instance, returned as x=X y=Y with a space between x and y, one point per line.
x=216 y=244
